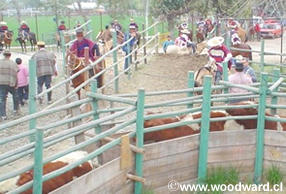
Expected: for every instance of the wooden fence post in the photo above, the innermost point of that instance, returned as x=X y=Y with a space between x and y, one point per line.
x=114 y=39
x=157 y=39
x=144 y=42
x=258 y=169
x=139 y=139
x=32 y=95
x=205 y=125
x=38 y=163
x=191 y=84
x=274 y=99
x=262 y=56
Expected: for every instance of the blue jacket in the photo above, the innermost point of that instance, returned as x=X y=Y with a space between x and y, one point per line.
x=167 y=43
x=131 y=43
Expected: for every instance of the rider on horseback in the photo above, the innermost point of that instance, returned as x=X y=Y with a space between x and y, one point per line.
x=24 y=28
x=235 y=40
x=62 y=27
x=220 y=53
x=3 y=27
x=184 y=41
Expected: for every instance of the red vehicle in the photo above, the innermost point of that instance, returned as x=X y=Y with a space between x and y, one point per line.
x=271 y=29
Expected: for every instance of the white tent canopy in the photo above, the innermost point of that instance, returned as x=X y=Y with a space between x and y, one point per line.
x=84 y=5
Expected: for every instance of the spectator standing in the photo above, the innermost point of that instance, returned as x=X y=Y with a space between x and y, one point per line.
x=23 y=82
x=8 y=84
x=46 y=68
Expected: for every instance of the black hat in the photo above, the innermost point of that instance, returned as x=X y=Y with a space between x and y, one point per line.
x=18 y=61
x=238 y=65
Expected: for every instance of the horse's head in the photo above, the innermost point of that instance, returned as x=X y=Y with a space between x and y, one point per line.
x=73 y=61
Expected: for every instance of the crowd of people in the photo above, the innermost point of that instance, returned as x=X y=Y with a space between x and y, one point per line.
x=14 y=75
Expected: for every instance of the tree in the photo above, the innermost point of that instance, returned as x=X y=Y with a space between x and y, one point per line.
x=171 y=9
x=116 y=8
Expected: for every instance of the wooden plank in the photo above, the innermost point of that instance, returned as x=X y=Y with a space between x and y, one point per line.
x=179 y=175
x=275 y=153
x=172 y=162
x=268 y=164
x=232 y=138
x=243 y=166
x=164 y=189
x=217 y=139
x=170 y=147
x=96 y=179
x=275 y=138
x=232 y=153
x=127 y=189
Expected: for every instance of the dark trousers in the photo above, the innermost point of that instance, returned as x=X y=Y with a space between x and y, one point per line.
x=4 y=90
x=45 y=79
x=23 y=93
x=126 y=65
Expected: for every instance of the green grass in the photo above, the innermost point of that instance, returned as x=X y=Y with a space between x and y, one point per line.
x=47 y=26
x=274 y=175
x=221 y=175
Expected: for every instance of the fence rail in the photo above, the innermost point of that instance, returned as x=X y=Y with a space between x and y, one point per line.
x=139 y=107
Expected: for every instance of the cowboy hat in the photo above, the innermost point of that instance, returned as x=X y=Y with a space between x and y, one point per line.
x=3 y=23
x=23 y=22
x=41 y=43
x=79 y=31
x=215 y=41
x=6 y=53
x=233 y=24
x=132 y=27
x=185 y=31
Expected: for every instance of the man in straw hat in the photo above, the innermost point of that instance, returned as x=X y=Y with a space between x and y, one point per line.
x=24 y=27
x=239 y=77
x=8 y=83
x=46 y=68
x=220 y=53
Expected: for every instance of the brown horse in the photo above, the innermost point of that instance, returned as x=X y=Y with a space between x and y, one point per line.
x=247 y=54
x=200 y=36
x=242 y=34
x=76 y=64
x=105 y=37
x=8 y=35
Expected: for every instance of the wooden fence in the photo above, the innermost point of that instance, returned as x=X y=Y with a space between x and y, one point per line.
x=152 y=164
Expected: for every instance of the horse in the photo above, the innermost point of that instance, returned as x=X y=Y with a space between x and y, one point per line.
x=67 y=38
x=208 y=69
x=23 y=37
x=247 y=54
x=6 y=39
x=105 y=39
x=200 y=36
x=242 y=34
x=76 y=64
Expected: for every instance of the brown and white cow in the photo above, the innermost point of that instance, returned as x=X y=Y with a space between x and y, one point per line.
x=185 y=130
x=54 y=183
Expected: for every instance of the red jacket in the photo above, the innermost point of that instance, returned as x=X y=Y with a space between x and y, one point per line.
x=62 y=27
x=257 y=28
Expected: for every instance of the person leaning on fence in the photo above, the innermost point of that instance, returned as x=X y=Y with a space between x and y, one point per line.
x=132 y=33
x=46 y=68
x=247 y=69
x=239 y=77
x=8 y=84
x=23 y=82
x=167 y=43
x=220 y=53
x=78 y=47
